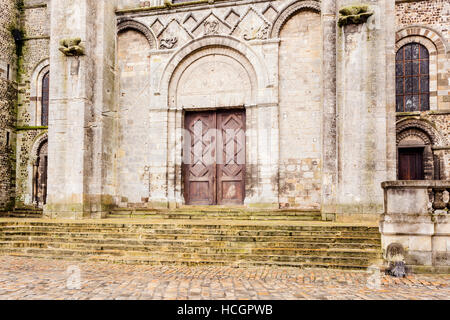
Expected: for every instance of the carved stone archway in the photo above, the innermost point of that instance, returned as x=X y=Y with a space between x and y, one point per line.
x=258 y=99
x=127 y=24
x=419 y=134
x=289 y=11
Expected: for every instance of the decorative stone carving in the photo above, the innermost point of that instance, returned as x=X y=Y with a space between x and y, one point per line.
x=252 y=26
x=168 y=43
x=190 y=21
x=211 y=27
x=173 y=30
x=420 y=125
x=232 y=17
x=356 y=14
x=71 y=47
x=439 y=200
x=259 y=33
x=395 y=256
x=270 y=12
x=157 y=26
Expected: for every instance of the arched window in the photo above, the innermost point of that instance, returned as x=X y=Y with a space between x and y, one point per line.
x=45 y=99
x=412 y=70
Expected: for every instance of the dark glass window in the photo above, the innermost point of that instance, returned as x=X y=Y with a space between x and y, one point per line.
x=45 y=99
x=412 y=83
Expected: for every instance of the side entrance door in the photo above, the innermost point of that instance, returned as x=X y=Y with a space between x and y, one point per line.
x=214 y=157
x=410 y=164
x=40 y=179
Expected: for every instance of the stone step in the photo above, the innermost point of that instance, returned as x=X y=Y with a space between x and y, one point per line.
x=157 y=257
x=196 y=262
x=195 y=242
x=194 y=246
x=204 y=210
x=188 y=234
x=231 y=241
x=214 y=216
x=188 y=226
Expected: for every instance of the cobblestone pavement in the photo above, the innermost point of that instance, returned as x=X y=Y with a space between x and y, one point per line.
x=24 y=278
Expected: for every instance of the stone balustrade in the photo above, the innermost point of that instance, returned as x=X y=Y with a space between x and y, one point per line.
x=417 y=216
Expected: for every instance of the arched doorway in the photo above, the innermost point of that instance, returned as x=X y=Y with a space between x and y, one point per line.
x=40 y=176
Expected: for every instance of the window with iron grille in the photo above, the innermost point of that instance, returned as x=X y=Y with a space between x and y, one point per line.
x=412 y=70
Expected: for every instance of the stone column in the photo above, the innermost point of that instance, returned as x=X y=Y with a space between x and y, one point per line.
x=81 y=109
x=365 y=101
x=329 y=177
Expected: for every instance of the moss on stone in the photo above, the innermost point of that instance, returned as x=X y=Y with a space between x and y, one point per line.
x=20 y=5
x=354 y=14
x=24 y=128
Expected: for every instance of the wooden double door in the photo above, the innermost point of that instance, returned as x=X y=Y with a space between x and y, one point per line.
x=214 y=157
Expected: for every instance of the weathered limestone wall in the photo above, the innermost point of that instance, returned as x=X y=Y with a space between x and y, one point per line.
x=8 y=96
x=134 y=139
x=416 y=218
x=34 y=63
x=300 y=94
x=366 y=110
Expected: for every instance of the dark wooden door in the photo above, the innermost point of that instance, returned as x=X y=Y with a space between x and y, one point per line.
x=410 y=164
x=200 y=158
x=42 y=164
x=214 y=157
x=230 y=157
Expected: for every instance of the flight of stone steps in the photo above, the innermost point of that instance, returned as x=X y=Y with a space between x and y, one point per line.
x=167 y=242
x=202 y=213
x=23 y=213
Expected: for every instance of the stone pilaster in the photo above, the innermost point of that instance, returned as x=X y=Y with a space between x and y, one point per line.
x=329 y=177
x=81 y=94
x=364 y=108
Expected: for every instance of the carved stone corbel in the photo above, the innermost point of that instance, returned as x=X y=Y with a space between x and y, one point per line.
x=71 y=47
x=356 y=14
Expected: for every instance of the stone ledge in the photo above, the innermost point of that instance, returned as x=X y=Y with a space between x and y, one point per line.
x=416 y=184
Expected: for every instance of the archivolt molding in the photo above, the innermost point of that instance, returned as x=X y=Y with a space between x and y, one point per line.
x=289 y=11
x=38 y=141
x=414 y=132
x=246 y=55
x=422 y=31
x=135 y=25
x=418 y=128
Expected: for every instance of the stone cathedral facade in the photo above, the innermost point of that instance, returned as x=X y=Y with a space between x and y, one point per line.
x=286 y=104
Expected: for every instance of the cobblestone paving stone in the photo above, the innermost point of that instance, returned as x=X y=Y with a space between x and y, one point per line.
x=31 y=279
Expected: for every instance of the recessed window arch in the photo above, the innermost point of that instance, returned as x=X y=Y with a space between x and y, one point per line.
x=412 y=72
x=45 y=99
